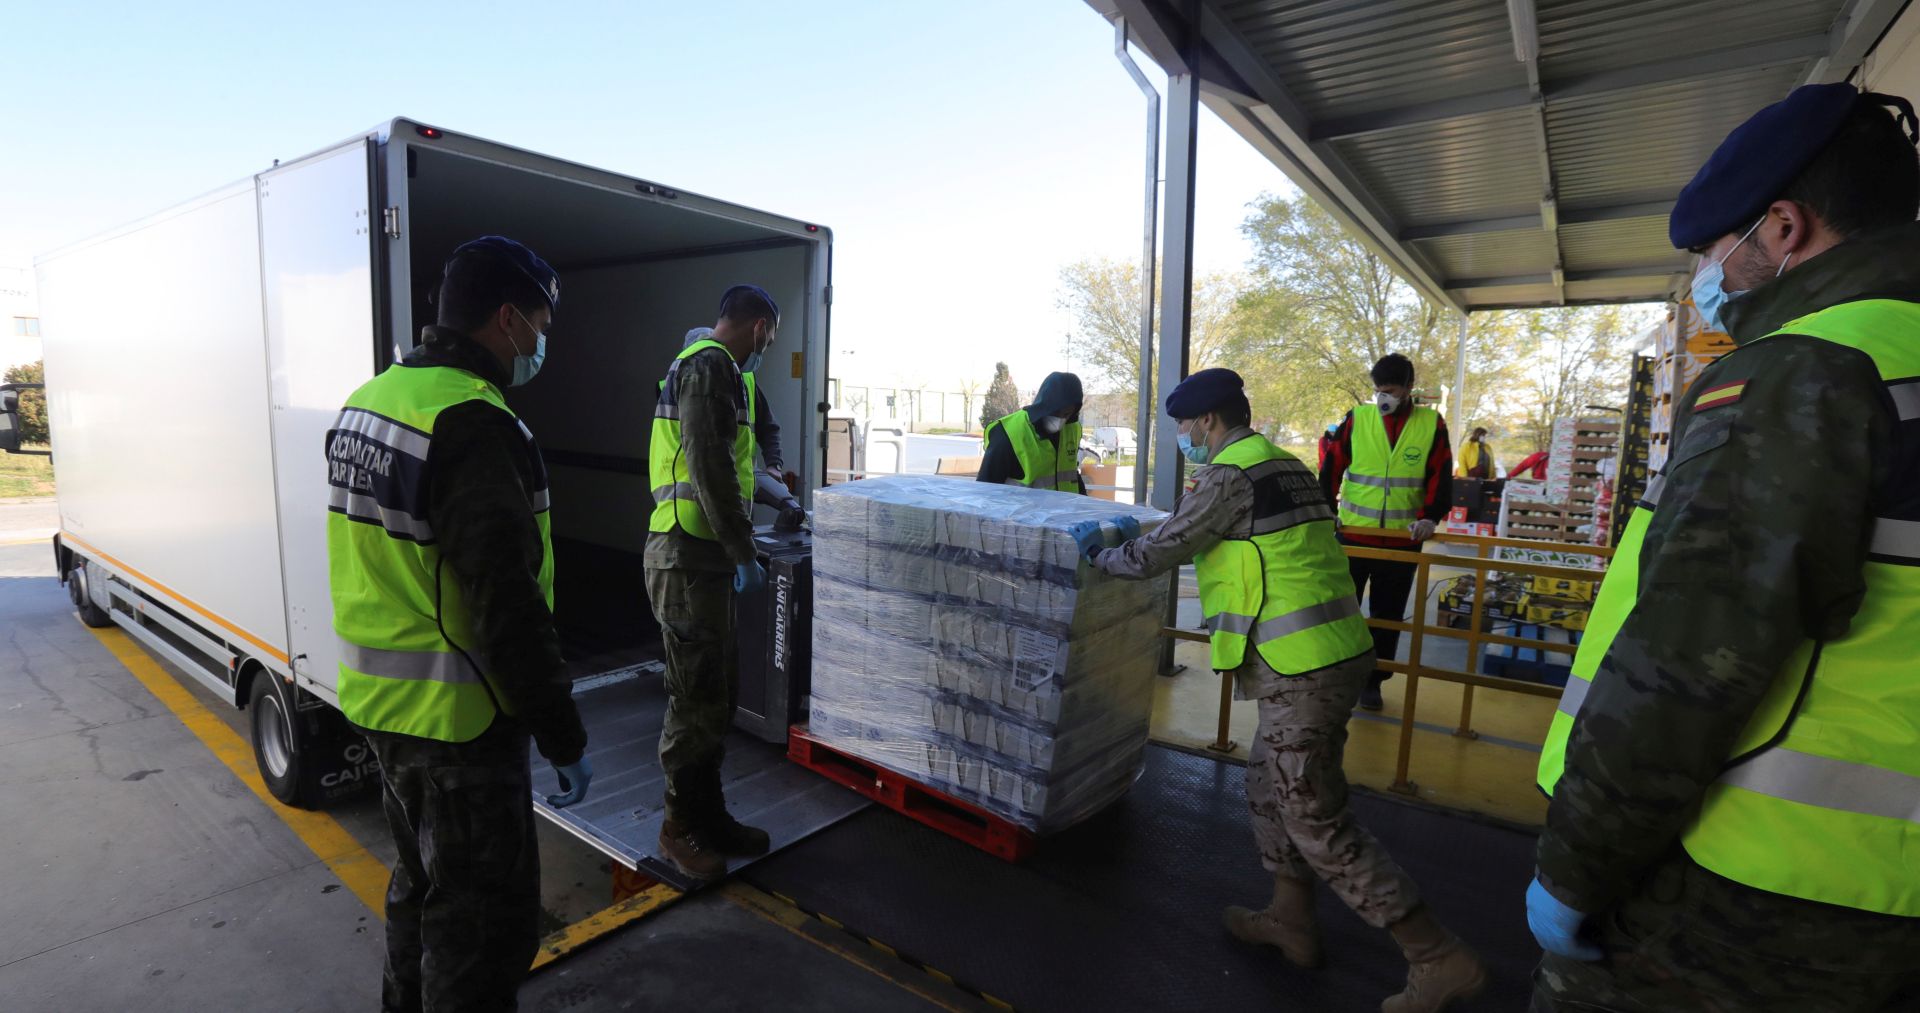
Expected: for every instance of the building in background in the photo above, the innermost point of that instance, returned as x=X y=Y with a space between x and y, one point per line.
x=19 y=317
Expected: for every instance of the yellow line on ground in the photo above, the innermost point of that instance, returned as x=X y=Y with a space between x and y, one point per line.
x=795 y=921
x=604 y=921
x=28 y=541
x=358 y=870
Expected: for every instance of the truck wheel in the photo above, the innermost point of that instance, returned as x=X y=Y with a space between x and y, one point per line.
x=82 y=597
x=273 y=745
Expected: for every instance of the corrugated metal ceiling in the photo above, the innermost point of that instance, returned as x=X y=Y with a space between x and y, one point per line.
x=1416 y=116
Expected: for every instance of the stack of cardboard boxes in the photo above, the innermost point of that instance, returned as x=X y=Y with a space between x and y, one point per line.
x=1632 y=468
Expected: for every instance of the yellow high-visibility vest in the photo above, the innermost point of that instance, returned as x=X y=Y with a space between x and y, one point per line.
x=675 y=503
x=1820 y=797
x=401 y=623
x=1284 y=588
x=1385 y=485
x=1042 y=465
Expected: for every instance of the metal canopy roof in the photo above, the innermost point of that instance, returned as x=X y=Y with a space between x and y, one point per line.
x=1503 y=154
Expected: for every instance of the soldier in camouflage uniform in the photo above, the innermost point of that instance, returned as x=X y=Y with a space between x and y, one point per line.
x=693 y=575
x=1784 y=453
x=1296 y=787
x=463 y=901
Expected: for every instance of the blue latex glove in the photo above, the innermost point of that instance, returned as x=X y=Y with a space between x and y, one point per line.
x=1557 y=926
x=749 y=577
x=1129 y=527
x=574 y=778
x=1086 y=535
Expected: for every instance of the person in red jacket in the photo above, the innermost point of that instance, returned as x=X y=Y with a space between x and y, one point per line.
x=1385 y=583
x=1536 y=463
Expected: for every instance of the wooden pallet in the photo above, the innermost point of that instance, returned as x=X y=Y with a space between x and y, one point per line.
x=957 y=818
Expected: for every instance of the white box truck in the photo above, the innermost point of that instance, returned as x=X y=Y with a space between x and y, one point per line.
x=195 y=360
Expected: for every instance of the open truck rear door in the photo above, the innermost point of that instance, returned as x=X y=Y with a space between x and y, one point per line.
x=319 y=244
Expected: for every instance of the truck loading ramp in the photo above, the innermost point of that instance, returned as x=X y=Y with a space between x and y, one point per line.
x=621 y=816
x=1123 y=912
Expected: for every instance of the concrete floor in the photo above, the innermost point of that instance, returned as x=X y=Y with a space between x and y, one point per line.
x=142 y=873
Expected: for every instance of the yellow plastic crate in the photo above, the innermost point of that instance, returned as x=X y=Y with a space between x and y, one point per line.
x=1567 y=615
x=1562 y=587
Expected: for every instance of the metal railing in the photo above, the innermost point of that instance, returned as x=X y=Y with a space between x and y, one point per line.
x=1476 y=634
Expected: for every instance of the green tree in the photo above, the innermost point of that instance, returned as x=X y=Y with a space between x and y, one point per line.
x=1002 y=399
x=1323 y=308
x=1104 y=297
x=1575 y=357
x=33 y=403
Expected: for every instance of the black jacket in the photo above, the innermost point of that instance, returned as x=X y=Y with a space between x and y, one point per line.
x=481 y=509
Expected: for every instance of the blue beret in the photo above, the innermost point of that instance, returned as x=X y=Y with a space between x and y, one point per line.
x=1203 y=392
x=737 y=291
x=1757 y=161
x=525 y=260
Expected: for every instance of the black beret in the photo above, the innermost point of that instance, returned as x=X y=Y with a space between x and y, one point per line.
x=1757 y=161
x=1203 y=392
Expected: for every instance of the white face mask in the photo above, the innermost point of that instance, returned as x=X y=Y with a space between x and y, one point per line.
x=1387 y=402
x=1052 y=424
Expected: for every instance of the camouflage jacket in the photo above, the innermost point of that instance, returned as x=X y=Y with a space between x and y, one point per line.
x=1756 y=546
x=1218 y=507
x=709 y=424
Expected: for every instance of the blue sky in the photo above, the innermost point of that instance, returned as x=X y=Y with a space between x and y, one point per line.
x=962 y=153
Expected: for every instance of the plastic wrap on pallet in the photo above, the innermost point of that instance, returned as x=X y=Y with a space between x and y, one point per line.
x=960 y=639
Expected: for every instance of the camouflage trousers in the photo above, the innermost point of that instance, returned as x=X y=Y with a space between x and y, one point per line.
x=463 y=903
x=696 y=615
x=1298 y=792
x=1688 y=939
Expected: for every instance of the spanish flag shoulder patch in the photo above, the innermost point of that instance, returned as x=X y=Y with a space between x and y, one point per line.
x=1719 y=396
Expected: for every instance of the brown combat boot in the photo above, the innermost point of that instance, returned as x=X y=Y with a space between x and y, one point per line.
x=1440 y=967
x=729 y=836
x=717 y=829
x=1287 y=923
x=688 y=854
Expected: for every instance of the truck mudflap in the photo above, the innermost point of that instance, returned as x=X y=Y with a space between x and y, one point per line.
x=623 y=811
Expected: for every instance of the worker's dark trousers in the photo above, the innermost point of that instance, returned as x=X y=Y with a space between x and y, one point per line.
x=695 y=609
x=1383 y=586
x=463 y=905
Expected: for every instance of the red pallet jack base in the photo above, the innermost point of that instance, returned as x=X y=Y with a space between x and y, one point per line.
x=951 y=816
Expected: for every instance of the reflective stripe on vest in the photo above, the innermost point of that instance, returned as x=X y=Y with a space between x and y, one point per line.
x=1043 y=464
x=1829 y=762
x=1384 y=486
x=676 y=503
x=1286 y=586
x=398 y=671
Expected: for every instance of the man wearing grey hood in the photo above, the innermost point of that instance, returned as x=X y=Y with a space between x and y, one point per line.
x=1039 y=445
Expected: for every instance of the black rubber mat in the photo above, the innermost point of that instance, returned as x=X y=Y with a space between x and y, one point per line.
x=1123 y=912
